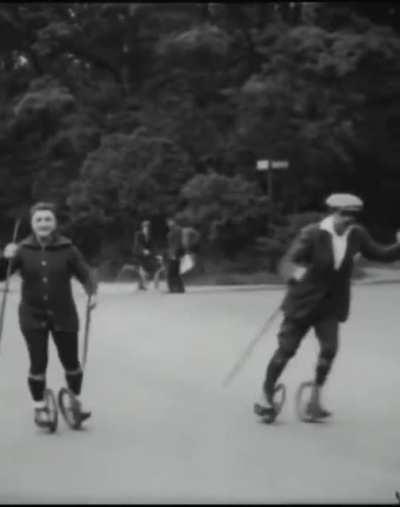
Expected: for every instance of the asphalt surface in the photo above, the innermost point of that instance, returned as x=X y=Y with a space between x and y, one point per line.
x=165 y=430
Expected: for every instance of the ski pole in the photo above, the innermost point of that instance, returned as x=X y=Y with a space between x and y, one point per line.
x=239 y=364
x=7 y=281
x=86 y=333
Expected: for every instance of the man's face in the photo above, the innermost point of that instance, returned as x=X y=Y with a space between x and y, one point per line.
x=344 y=219
x=43 y=223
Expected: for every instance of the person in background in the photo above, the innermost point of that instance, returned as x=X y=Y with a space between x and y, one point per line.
x=175 y=252
x=143 y=250
x=191 y=241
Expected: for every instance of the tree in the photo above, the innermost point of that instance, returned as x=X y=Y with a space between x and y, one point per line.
x=97 y=99
x=228 y=211
x=127 y=178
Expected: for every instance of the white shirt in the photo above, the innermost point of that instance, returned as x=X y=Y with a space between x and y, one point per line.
x=339 y=246
x=339 y=243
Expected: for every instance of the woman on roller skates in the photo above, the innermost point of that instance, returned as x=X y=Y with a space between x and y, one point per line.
x=318 y=269
x=46 y=262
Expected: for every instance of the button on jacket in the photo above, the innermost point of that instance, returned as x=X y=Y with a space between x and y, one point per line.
x=46 y=272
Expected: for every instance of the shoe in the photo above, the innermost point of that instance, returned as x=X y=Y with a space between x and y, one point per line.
x=82 y=414
x=42 y=417
x=265 y=408
x=315 y=411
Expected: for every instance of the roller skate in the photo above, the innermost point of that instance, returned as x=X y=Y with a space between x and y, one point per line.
x=271 y=404
x=71 y=409
x=46 y=414
x=310 y=411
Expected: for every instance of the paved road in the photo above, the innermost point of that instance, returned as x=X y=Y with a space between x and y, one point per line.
x=165 y=430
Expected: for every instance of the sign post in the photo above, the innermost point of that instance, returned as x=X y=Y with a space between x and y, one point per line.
x=270 y=166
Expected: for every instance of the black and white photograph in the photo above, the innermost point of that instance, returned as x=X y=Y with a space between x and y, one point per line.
x=199 y=253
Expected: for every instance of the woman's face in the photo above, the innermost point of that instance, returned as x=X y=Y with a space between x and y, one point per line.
x=43 y=223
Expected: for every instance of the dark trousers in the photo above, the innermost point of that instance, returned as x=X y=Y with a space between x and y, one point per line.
x=174 y=279
x=66 y=343
x=290 y=336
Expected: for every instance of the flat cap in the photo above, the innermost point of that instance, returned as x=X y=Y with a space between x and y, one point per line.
x=348 y=202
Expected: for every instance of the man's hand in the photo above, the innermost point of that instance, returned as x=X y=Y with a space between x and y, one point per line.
x=92 y=301
x=299 y=272
x=10 y=250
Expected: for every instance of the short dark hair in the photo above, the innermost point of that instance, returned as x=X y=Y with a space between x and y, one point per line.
x=42 y=206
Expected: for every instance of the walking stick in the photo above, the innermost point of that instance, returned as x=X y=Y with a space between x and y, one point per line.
x=7 y=281
x=86 y=333
x=238 y=365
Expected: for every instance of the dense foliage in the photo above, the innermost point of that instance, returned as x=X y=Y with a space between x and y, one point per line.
x=119 y=111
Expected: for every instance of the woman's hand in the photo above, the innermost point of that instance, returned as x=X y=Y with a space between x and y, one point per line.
x=92 y=301
x=10 y=250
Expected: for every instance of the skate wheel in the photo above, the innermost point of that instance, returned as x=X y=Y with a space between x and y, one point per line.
x=67 y=404
x=302 y=401
x=52 y=410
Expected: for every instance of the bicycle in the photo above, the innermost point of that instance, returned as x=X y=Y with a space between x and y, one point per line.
x=142 y=277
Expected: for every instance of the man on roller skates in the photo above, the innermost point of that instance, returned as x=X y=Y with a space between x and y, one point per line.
x=318 y=269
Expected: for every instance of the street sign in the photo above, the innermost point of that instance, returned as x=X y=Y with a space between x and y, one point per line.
x=270 y=166
x=280 y=164
x=262 y=165
x=265 y=165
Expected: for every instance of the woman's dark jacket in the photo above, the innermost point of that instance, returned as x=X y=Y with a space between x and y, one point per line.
x=46 y=272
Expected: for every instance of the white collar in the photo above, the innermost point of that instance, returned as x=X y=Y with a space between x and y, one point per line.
x=327 y=225
x=339 y=243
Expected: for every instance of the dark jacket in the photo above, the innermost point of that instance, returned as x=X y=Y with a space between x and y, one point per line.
x=141 y=243
x=324 y=291
x=190 y=239
x=46 y=273
x=174 y=239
